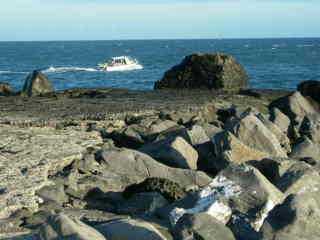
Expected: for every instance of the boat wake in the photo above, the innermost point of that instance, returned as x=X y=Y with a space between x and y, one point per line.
x=68 y=69
x=11 y=72
x=75 y=69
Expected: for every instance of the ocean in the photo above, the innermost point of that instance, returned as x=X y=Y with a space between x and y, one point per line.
x=270 y=63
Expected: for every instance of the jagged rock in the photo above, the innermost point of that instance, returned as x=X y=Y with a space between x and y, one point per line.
x=53 y=193
x=36 y=84
x=201 y=226
x=280 y=119
x=133 y=119
x=198 y=138
x=204 y=146
x=300 y=177
x=270 y=168
x=229 y=149
x=306 y=148
x=207 y=113
x=122 y=168
x=211 y=130
x=170 y=190
x=161 y=126
x=45 y=152
x=225 y=114
x=175 y=152
x=236 y=191
x=252 y=132
x=273 y=168
x=295 y=106
x=142 y=203
x=130 y=229
x=62 y=227
x=5 y=89
x=128 y=137
x=298 y=217
x=197 y=135
x=182 y=117
x=310 y=89
x=280 y=135
x=213 y=71
x=310 y=127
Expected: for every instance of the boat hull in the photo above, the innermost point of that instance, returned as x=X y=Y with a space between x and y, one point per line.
x=129 y=67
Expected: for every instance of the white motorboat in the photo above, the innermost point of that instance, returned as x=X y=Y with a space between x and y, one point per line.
x=122 y=63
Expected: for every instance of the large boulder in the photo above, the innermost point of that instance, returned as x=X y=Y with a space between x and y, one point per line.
x=130 y=229
x=122 y=168
x=310 y=89
x=5 y=89
x=300 y=177
x=175 y=152
x=295 y=106
x=36 y=84
x=305 y=148
x=310 y=127
x=128 y=137
x=63 y=227
x=237 y=192
x=278 y=133
x=197 y=136
x=201 y=226
x=229 y=149
x=280 y=119
x=252 y=131
x=297 y=218
x=212 y=71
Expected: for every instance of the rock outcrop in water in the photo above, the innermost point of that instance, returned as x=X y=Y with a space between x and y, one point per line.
x=36 y=84
x=212 y=71
x=310 y=89
x=5 y=89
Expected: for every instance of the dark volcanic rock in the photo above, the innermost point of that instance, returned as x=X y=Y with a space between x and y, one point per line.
x=212 y=71
x=170 y=190
x=36 y=84
x=5 y=89
x=310 y=89
x=142 y=203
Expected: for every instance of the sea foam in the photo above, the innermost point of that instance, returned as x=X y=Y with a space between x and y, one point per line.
x=68 y=69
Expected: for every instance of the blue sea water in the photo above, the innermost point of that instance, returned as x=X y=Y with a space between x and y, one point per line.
x=270 y=63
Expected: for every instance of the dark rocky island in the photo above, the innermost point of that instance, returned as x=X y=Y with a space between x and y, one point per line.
x=217 y=161
x=209 y=71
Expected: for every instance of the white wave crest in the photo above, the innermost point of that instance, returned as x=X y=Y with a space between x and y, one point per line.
x=68 y=69
x=305 y=45
x=11 y=72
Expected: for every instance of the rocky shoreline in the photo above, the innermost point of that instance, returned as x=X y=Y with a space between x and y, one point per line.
x=159 y=165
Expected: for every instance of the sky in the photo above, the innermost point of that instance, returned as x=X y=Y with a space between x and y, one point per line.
x=43 y=20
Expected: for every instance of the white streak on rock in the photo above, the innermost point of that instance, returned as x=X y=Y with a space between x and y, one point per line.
x=264 y=213
x=210 y=200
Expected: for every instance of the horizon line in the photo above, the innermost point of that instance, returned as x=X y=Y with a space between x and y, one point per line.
x=160 y=39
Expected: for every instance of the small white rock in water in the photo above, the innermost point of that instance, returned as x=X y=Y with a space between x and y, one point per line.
x=210 y=201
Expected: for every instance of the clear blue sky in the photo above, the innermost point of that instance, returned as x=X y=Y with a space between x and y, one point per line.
x=144 y=19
